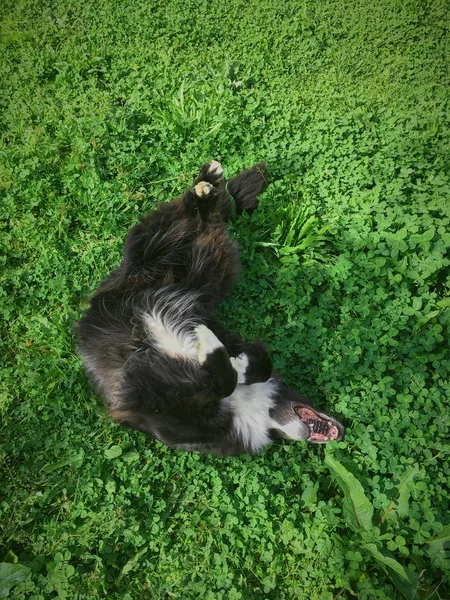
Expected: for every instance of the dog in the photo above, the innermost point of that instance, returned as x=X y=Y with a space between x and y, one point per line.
x=157 y=354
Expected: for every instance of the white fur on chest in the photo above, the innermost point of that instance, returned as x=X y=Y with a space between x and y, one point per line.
x=250 y=405
x=170 y=336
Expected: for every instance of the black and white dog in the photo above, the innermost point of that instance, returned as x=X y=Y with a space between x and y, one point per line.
x=157 y=354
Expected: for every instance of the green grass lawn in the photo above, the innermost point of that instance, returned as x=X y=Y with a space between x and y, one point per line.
x=109 y=107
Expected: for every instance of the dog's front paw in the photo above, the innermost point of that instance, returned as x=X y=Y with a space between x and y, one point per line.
x=240 y=364
x=206 y=342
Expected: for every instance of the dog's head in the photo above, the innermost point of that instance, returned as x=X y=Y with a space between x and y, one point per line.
x=294 y=418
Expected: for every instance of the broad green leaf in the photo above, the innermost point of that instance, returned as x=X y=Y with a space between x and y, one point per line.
x=429 y=316
x=311 y=222
x=404 y=488
x=404 y=580
x=407 y=588
x=113 y=452
x=309 y=495
x=440 y=542
x=415 y=239
x=76 y=460
x=444 y=303
x=290 y=237
x=442 y=536
x=428 y=235
x=11 y=557
x=130 y=457
x=10 y=576
x=417 y=303
x=358 y=508
x=386 y=560
x=285 y=250
x=131 y=564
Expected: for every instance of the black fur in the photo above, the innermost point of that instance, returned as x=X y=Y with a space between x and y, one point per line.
x=151 y=342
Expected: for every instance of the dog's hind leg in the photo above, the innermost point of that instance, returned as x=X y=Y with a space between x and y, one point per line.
x=240 y=193
x=207 y=191
x=211 y=172
x=246 y=187
x=210 y=193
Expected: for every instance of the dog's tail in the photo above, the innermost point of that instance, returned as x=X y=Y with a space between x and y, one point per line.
x=245 y=188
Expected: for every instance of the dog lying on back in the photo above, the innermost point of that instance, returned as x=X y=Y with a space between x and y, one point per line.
x=161 y=360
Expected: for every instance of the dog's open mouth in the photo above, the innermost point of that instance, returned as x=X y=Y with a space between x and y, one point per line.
x=321 y=428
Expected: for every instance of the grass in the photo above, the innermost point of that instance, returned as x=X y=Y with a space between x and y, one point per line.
x=108 y=108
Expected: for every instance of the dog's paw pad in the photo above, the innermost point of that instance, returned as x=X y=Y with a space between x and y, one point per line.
x=215 y=169
x=206 y=342
x=240 y=364
x=203 y=188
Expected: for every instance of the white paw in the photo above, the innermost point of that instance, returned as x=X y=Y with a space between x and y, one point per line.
x=215 y=168
x=203 y=188
x=240 y=364
x=206 y=342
